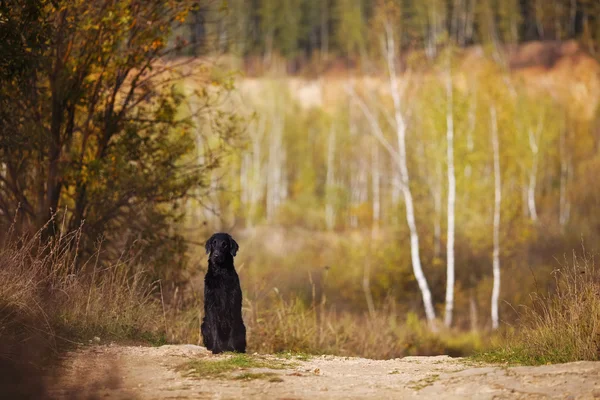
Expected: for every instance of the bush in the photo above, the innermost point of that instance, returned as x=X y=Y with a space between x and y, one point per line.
x=48 y=298
x=561 y=326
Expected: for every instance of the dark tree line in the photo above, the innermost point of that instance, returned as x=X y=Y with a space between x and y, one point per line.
x=304 y=28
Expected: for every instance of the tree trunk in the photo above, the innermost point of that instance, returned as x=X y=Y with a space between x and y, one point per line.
x=497 y=204
x=52 y=184
x=532 y=177
x=451 y=203
x=408 y=200
x=399 y=157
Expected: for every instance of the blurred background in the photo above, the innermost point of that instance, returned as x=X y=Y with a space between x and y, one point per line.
x=402 y=177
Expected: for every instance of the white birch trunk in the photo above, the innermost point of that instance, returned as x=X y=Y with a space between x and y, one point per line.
x=399 y=157
x=451 y=203
x=410 y=213
x=534 y=139
x=497 y=204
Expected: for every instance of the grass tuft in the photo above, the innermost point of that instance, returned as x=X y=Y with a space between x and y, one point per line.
x=561 y=326
x=223 y=367
x=300 y=356
x=423 y=383
x=251 y=376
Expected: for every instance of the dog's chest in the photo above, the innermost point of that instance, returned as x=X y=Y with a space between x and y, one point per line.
x=221 y=290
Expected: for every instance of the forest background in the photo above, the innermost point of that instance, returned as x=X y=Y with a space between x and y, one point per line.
x=403 y=177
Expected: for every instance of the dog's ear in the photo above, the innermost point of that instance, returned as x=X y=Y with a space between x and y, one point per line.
x=233 y=246
x=208 y=245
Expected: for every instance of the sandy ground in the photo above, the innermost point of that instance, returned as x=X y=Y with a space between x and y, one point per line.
x=120 y=372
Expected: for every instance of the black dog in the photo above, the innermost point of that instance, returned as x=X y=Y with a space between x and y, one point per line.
x=222 y=327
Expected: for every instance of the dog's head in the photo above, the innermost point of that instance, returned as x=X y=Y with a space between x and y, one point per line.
x=220 y=247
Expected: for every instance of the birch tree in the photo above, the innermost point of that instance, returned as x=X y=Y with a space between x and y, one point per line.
x=399 y=156
x=497 y=204
x=390 y=52
x=451 y=199
x=534 y=139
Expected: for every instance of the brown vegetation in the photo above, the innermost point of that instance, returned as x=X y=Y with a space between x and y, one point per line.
x=51 y=300
x=562 y=325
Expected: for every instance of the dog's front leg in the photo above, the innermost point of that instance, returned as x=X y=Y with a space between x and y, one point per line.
x=218 y=345
x=207 y=334
x=212 y=336
x=237 y=338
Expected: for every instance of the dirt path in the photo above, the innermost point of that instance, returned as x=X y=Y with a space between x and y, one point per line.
x=117 y=372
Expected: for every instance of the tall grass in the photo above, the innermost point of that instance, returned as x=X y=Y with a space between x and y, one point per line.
x=278 y=324
x=50 y=298
x=48 y=292
x=293 y=326
x=561 y=326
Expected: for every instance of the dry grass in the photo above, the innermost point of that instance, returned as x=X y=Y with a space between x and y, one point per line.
x=290 y=327
x=51 y=299
x=46 y=292
x=562 y=326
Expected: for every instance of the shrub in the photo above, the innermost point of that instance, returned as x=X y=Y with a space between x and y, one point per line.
x=49 y=298
x=561 y=326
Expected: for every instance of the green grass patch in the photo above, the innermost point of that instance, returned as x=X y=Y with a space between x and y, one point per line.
x=223 y=367
x=512 y=355
x=251 y=376
x=423 y=383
